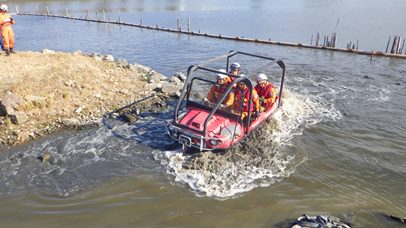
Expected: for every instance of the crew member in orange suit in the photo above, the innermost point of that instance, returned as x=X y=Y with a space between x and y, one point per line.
x=241 y=101
x=6 y=31
x=218 y=89
x=266 y=92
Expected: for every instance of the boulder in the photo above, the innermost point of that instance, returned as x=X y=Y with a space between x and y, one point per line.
x=177 y=94
x=143 y=68
x=10 y=103
x=180 y=75
x=47 y=51
x=130 y=117
x=153 y=86
x=46 y=157
x=108 y=58
x=122 y=63
x=72 y=122
x=132 y=67
x=176 y=80
x=171 y=89
x=87 y=125
x=163 y=77
x=157 y=77
x=98 y=58
x=5 y=109
x=18 y=117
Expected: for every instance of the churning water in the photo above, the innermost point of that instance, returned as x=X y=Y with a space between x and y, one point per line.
x=260 y=160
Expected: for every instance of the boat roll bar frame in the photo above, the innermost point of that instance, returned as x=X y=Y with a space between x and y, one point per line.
x=248 y=82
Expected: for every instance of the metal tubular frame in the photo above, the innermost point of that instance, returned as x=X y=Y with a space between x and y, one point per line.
x=188 y=84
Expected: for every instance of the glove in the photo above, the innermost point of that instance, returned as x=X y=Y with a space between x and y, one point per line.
x=222 y=106
x=261 y=100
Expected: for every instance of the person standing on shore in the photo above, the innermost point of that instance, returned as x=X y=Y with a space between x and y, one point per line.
x=6 y=31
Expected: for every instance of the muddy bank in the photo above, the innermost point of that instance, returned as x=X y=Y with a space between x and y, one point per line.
x=42 y=92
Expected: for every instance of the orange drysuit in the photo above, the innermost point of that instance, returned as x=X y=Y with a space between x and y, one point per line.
x=267 y=94
x=6 y=31
x=241 y=101
x=217 y=91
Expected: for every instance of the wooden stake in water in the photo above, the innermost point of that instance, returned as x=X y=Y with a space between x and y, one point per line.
x=311 y=40
x=334 y=39
x=403 y=45
x=398 y=44
x=188 y=24
x=387 y=45
x=394 y=44
x=178 y=22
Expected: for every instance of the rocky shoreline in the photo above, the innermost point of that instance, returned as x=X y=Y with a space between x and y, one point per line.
x=43 y=92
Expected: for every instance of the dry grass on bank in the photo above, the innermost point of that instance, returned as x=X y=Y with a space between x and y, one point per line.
x=69 y=85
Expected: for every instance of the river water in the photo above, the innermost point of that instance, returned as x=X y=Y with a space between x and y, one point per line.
x=336 y=146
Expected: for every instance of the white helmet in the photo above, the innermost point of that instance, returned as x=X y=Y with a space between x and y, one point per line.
x=222 y=76
x=4 y=7
x=235 y=66
x=262 y=77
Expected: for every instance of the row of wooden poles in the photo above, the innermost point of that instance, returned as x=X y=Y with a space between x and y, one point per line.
x=328 y=42
x=395 y=46
x=331 y=41
x=398 y=45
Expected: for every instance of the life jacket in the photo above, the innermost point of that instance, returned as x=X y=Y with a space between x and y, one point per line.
x=266 y=92
x=219 y=90
x=244 y=96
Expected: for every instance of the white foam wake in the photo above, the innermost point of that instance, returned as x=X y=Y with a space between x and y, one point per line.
x=260 y=160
